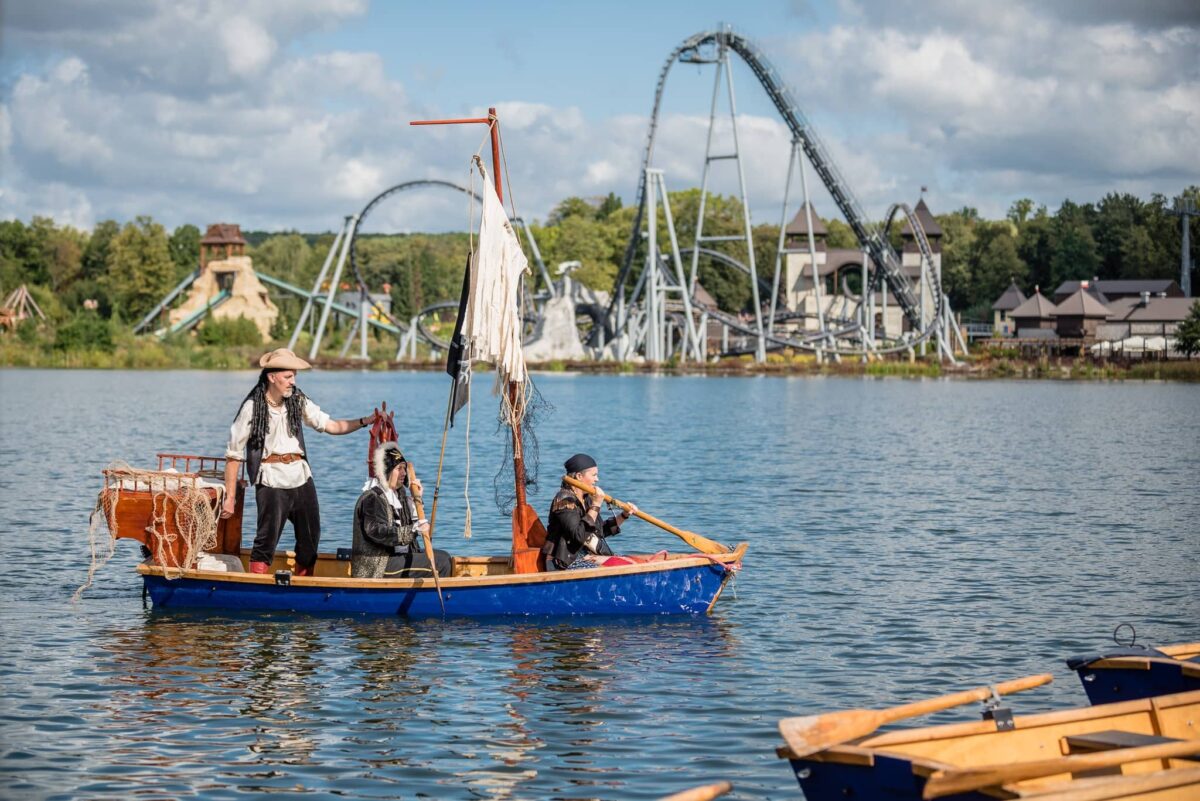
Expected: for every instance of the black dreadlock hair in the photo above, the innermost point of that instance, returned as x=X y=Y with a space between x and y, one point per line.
x=258 y=420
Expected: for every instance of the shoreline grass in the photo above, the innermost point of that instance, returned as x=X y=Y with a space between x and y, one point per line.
x=148 y=354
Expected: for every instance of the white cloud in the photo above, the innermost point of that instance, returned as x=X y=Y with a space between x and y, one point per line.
x=203 y=111
x=995 y=98
x=248 y=47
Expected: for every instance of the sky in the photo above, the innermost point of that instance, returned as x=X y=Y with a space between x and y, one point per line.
x=293 y=114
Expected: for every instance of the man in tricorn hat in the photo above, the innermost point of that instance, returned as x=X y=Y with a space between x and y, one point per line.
x=577 y=535
x=268 y=435
x=386 y=525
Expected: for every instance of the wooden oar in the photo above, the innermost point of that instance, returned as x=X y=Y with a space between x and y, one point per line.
x=427 y=538
x=706 y=793
x=949 y=782
x=812 y=733
x=702 y=544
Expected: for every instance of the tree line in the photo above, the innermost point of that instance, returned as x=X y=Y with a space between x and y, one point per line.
x=124 y=270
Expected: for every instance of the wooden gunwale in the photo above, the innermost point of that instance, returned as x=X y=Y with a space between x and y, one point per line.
x=891 y=744
x=1184 y=650
x=336 y=582
x=1102 y=788
x=1042 y=719
x=1175 y=656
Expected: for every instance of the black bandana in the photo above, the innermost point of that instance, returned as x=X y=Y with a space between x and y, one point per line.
x=578 y=463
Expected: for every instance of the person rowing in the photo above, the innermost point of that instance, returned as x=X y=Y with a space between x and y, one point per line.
x=577 y=536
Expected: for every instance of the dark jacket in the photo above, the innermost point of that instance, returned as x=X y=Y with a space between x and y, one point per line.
x=379 y=532
x=569 y=527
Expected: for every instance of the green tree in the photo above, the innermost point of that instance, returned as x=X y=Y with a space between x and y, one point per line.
x=63 y=253
x=608 y=206
x=1073 y=256
x=1140 y=256
x=958 y=252
x=19 y=253
x=95 y=254
x=571 y=207
x=841 y=235
x=86 y=330
x=1035 y=247
x=184 y=245
x=284 y=256
x=1020 y=210
x=140 y=271
x=1187 y=335
x=996 y=265
x=229 y=332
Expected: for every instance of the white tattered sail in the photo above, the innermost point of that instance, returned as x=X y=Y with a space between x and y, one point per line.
x=492 y=323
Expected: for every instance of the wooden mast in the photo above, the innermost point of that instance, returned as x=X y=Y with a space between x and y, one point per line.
x=528 y=533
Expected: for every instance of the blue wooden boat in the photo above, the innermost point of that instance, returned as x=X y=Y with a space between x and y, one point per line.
x=1095 y=752
x=683 y=584
x=1125 y=673
x=171 y=511
x=146 y=506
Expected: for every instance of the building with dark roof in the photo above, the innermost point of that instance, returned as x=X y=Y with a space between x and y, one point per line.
x=1145 y=316
x=835 y=265
x=933 y=231
x=1111 y=290
x=221 y=241
x=1012 y=298
x=1079 y=315
x=1035 y=312
x=796 y=232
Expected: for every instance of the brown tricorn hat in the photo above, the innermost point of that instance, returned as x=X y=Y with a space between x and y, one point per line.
x=282 y=359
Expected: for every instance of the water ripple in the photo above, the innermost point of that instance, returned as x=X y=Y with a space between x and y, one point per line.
x=907 y=538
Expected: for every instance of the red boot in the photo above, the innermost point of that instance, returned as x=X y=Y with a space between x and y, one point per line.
x=260 y=567
x=303 y=571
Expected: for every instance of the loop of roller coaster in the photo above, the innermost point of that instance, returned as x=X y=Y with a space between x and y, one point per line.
x=429 y=337
x=353 y=247
x=888 y=267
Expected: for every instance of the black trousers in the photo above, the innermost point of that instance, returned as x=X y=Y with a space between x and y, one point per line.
x=278 y=506
x=415 y=564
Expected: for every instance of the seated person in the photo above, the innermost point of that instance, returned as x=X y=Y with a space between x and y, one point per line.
x=576 y=537
x=387 y=532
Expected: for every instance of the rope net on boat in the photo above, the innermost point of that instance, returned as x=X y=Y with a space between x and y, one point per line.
x=528 y=412
x=182 y=521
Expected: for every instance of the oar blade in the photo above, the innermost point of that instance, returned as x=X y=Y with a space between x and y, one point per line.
x=812 y=733
x=706 y=793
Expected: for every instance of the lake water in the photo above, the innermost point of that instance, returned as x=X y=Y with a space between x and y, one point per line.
x=907 y=539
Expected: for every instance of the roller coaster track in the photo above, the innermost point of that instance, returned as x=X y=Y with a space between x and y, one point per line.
x=425 y=333
x=730 y=261
x=869 y=235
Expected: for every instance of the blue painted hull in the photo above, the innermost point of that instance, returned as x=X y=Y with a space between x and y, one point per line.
x=688 y=589
x=1110 y=685
x=889 y=779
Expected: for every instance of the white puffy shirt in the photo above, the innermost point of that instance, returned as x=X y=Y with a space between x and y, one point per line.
x=277 y=441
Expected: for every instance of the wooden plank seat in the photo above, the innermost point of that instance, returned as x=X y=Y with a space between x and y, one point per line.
x=1111 y=739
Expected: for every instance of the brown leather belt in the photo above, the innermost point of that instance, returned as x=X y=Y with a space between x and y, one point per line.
x=282 y=458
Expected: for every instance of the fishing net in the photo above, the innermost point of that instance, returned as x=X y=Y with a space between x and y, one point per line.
x=182 y=520
x=528 y=411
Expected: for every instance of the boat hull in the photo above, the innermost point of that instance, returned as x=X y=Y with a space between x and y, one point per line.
x=688 y=588
x=888 y=779
x=895 y=766
x=1128 y=674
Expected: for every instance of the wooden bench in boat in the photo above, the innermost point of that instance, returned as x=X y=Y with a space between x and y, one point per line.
x=1111 y=739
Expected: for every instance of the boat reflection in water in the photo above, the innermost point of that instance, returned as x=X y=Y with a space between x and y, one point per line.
x=380 y=704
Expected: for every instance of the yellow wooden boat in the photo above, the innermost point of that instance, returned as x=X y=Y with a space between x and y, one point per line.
x=1142 y=749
